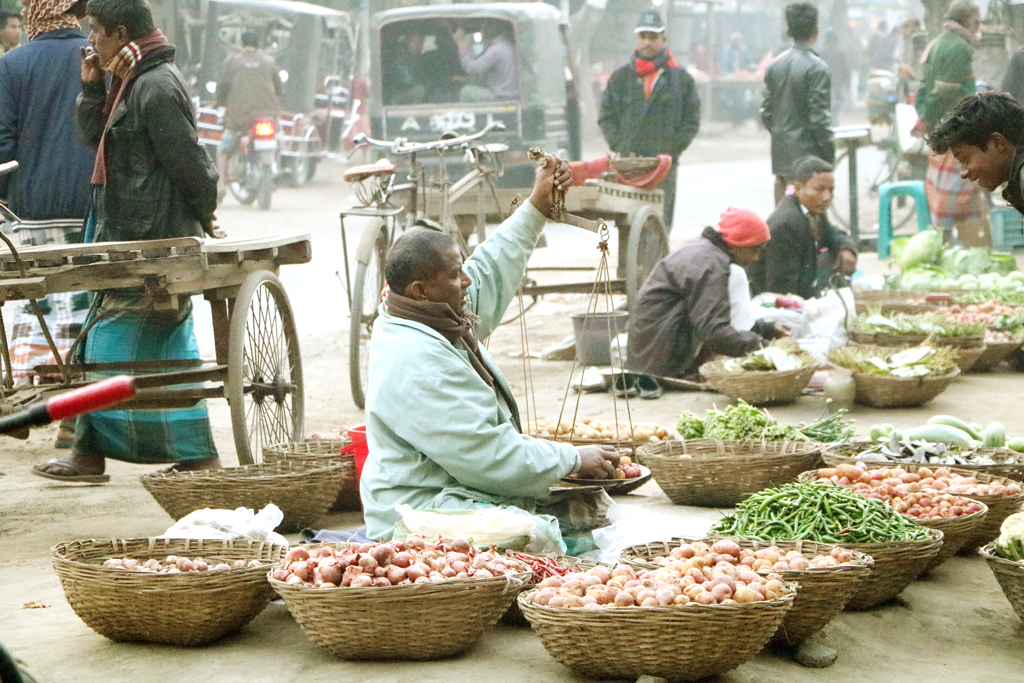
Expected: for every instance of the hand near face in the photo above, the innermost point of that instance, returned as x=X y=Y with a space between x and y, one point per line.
x=91 y=69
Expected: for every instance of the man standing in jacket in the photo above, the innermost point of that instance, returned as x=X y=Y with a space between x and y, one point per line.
x=949 y=77
x=151 y=180
x=50 y=190
x=651 y=105
x=806 y=250
x=798 y=99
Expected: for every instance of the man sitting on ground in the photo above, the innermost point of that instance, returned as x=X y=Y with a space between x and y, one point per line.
x=985 y=133
x=682 y=317
x=806 y=250
x=442 y=426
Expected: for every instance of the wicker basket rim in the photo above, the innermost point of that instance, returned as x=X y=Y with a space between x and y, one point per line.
x=988 y=552
x=806 y=477
x=834 y=450
x=875 y=377
x=934 y=536
x=749 y=447
x=262 y=471
x=863 y=559
x=513 y=582
x=986 y=478
x=613 y=611
x=718 y=366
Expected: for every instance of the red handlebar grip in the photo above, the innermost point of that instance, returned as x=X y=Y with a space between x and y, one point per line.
x=91 y=398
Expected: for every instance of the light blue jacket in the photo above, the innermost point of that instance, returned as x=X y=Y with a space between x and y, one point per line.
x=438 y=435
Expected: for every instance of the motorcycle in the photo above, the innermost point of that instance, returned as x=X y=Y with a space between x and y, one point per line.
x=252 y=168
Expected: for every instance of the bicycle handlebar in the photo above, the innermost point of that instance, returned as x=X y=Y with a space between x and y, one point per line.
x=71 y=403
x=8 y=167
x=403 y=146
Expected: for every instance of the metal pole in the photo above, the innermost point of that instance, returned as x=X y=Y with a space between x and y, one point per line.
x=852 y=146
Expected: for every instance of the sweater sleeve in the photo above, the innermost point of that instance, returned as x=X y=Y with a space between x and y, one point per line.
x=819 y=104
x=689 y=113
x=90 y=112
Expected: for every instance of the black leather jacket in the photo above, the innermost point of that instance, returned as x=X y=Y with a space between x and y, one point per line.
x=160 y=181
x=797 y=108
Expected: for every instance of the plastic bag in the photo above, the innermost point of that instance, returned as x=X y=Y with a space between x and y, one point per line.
x=828 y=316
x=631 y=525
x=228 y=524
x=491 y=525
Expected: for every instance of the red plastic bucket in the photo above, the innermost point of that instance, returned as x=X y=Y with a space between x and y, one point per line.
x=358 y=449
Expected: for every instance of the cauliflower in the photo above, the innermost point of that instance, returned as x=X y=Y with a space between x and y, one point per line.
x=1010 y=544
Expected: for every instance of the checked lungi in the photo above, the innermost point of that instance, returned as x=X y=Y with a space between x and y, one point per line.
x=951 y=199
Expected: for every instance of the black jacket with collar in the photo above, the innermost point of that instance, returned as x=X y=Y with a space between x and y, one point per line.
x=1013 y=193
x=161 y=183
x=789 y=264
x=797 y=108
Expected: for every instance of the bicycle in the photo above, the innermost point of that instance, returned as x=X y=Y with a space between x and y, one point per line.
x=375 y=189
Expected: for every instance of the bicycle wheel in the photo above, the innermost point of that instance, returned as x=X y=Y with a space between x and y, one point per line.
x=366 y=292
x=648 y=244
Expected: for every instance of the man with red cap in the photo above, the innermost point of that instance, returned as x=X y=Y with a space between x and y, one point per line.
x=682 y=316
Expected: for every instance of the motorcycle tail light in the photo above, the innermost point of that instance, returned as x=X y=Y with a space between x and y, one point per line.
x=264 y=129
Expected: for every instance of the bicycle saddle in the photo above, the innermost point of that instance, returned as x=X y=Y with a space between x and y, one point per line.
x=358 y=173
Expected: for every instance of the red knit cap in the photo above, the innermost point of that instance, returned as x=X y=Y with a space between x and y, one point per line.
x=742 y=228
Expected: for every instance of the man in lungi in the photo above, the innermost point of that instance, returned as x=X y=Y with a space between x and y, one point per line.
x=948 y=77
x=985 y=133
x=50 y=190
x=151 y=180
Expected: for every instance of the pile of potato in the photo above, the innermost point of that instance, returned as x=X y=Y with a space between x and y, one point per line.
x=173 y=564
x=589 y=428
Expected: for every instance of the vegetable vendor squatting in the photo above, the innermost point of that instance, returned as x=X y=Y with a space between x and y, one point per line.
x=985 y=132
x=442 y=426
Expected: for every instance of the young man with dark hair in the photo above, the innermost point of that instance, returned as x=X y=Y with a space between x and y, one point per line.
x=805 y=249
x=151 y=180
x=441 y=423
x=797 y=108
x=985 y=133
x=10 y=31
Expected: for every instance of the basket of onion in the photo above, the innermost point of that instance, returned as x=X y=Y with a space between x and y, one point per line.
x=322 y=452
x=403 y=600
x=303 y=490
x=623 y=623
x=827 y=573
x=165 y=590
x=958 y=518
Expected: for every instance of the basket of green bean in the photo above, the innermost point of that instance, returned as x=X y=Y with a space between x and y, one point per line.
x=901 y=548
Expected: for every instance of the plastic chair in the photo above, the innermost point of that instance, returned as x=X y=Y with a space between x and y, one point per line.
x=886 y=193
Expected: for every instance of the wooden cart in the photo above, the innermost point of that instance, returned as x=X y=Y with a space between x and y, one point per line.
x=258 y=366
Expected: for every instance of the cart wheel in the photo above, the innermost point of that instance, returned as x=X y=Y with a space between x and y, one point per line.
x=648 y=244
x=366 y=291
x=264 y=386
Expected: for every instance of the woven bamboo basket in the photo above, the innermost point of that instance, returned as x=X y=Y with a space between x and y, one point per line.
x=303 y=491
x=897 y=564
x=686 y=642
x=956 y=531
x=893 y=301
x=994 y=354
x=323 y=453
x=190 y=608
x=414 y=622
x=514 y=616
x=858 y=337
x=968 y=349
x=722 y=473
x=886 y=391
x=760 y=388
x=1010 y=576
x=1010 y=463
x=822 y=595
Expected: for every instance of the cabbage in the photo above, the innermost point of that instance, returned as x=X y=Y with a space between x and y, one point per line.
x=923 y=249
x=925 y=278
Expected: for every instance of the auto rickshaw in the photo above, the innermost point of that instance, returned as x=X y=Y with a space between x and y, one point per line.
x=315 y=48
x=420 y=89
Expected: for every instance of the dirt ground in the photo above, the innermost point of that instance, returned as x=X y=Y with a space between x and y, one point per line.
x=953 y=624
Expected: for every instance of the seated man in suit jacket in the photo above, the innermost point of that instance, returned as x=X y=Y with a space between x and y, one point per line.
x=805 y=249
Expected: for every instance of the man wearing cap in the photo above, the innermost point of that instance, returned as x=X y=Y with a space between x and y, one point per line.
x=651 y=105
x=806 y=250
x=683 y=315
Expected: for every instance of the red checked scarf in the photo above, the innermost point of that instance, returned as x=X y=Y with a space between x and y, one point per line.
x=649 y=71
x=43 y=16
x=122 y=68
x=457 y=329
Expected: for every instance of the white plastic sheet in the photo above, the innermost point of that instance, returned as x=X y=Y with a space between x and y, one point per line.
x=228 y=524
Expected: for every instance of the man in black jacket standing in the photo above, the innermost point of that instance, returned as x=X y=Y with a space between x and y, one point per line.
x=651 y=105
x=805 y=249
x=798 y=99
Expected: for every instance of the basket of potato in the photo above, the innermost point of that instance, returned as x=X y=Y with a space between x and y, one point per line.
x=592 y=431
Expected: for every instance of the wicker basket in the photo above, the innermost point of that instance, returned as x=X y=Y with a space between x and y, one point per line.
x=968 y=349
x=322 y=453
x=190 y=608
x=1010 y=463
x=760 y=388
x=413 y=622
x=995 y=353
x=893 y=301
x=886 y=391
x=897 y=564
x=1010 y=576
x=686 y=642
x=956 y=531
x=722 y=473
x=514 y=616
x=822 y=595
x=303 y=491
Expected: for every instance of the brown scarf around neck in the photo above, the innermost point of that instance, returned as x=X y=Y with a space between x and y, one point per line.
x=457 y=329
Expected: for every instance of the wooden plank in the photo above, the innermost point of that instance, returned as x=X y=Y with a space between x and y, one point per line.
x=183 y=245
x=617 y=287
x=22 y=288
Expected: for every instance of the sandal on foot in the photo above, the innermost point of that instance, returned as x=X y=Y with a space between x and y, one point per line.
x=74 y=478
x=648 y=387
